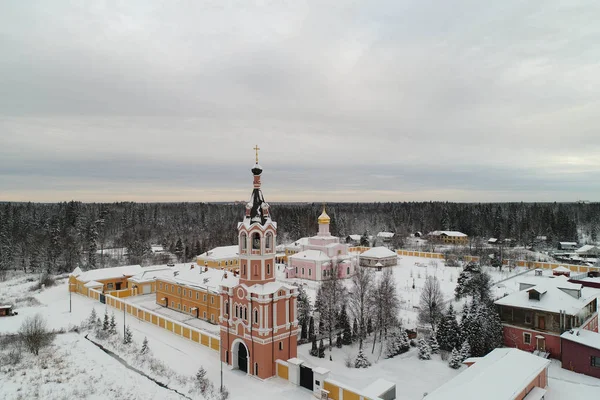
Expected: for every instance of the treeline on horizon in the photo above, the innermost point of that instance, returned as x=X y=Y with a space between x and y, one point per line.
x=57 y=237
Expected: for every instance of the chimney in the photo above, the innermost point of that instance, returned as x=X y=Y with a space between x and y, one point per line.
x=225 y=275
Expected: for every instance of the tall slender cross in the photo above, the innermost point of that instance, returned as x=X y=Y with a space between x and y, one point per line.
x=256 y=148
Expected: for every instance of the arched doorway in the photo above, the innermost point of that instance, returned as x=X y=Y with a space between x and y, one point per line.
x=242 y=357
x=239 y=356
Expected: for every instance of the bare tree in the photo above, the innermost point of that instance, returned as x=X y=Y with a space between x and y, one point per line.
x=385 y=304
x=35 y=334
x=328 y=302
x=431 y=306
x=360 y=299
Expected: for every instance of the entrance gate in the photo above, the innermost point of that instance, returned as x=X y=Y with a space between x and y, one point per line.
x=242 y=358
x=306 y=377
x=102 y=298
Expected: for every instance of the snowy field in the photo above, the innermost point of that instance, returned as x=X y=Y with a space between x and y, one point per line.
x=73 y=368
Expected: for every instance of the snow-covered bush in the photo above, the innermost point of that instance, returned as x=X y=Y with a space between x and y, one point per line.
x=361 y=360
x=455 y=360
x=433 y=344
x=424 y=350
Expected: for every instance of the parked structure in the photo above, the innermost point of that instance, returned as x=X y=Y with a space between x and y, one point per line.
x=258 y=315
x=448 y=237
x=561 y=271
x=581 y=351
x=503 y=374
x=378 y=255
x=224 y=257
x=5 y=310
x=534 y=317
x=320 y=256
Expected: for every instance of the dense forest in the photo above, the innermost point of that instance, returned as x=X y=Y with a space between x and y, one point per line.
x=59 y=237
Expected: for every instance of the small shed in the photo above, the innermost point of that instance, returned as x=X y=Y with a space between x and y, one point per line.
x=561 y=271
x=5 y=310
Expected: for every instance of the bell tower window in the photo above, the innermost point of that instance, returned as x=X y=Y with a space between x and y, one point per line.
x=243 y=241
x=256 y=241
x=269 y=241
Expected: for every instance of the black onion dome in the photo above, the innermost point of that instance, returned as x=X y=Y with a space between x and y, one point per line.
x=257 y=169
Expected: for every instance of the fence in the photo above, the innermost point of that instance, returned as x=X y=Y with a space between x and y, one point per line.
x=518 y=263
x=183 y=330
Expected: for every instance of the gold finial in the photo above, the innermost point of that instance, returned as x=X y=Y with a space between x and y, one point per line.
x=256 y=148
x=323 y=206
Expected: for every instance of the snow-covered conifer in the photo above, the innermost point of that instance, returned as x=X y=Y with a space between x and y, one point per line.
x=106 y=322
x=465 y=351
x=455 y=359
x=424 y=350
x=127 y=338
x=361 y=360
x=321 y=349
x=433 y=344
x=92 y=318
x=112 y=326
x=145 y=347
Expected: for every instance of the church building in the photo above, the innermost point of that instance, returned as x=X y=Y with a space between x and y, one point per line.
x=321 y=256
x=258 y=315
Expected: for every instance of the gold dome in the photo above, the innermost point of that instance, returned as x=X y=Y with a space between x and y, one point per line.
x=324 y=218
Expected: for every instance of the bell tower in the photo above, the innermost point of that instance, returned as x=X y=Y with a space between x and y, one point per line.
x=257 y=235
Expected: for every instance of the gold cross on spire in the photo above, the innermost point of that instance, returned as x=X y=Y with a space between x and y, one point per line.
x=256 y=148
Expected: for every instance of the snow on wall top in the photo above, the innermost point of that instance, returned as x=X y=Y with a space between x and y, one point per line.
x=584 y=337
x=110 y=273
x=500 y=375
x=379 y=252
x=199 y=277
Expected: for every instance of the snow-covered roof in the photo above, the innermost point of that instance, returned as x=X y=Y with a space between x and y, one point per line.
x=584 y=337
x=561 y=269
x=378 y=388
x=447 y=233
x=150 y=273
x=379 y=252
x=298 y=243
x=157 y=248
x=355 y=237
x=568 y=243
x=313 y=255
x=492 y=240
x=199 y=277
x=220 y=253
x=5 y=306
x=387 y=235
x=76 y=272
x=109 y=273
x=587 y=248
x=502 y=374
x=93 y=284
x=554 y=298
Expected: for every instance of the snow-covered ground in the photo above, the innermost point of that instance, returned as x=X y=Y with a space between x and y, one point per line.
x=73 y=368
x=416 y=269
x=412 y=376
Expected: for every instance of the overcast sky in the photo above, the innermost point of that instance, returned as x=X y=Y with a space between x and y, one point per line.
x=348 y=100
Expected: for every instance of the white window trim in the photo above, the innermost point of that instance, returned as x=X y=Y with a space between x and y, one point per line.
x=530 y=337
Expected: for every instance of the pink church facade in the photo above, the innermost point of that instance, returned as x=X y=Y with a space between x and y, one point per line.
x=321 y=256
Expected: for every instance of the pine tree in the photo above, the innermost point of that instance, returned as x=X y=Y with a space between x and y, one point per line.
x=314 y=351
x=403 y=341
x=112 y=326
x=392 y=344
x=321 y=349
x=304 y=330
x=338 y=341
x=424 y=350
x=92 y=318
x=311 y=329
x=202 y=382
x=455 y=359
x=145 y=347
x=105 y=323
x=465 y=351
x=347 y=338
x=361 y=360
x=127 y=338
x=433 y=344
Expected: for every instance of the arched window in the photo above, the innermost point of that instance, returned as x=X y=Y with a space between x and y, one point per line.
x=269 y=241
x=246 y=313
x=243 y=241
x=226 y=308
x=236 y=311
x=255 y=241
x=255 y=316
x=268 y=269
x=243 y=269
